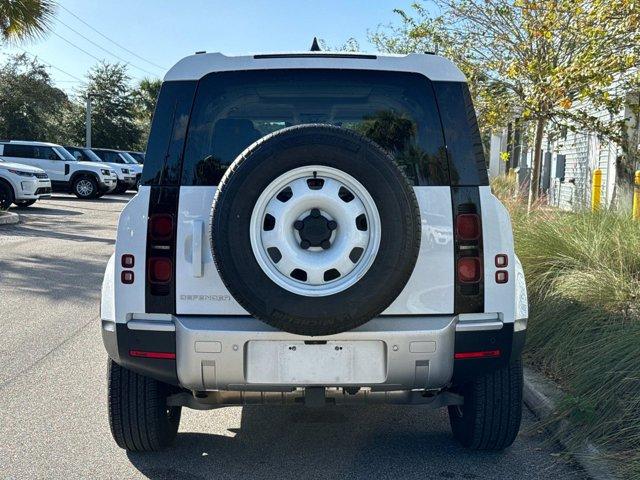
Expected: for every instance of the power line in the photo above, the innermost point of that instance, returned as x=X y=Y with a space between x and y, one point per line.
x=75 y=46
x=105 y=50
x=110 y=40
x=52 y=66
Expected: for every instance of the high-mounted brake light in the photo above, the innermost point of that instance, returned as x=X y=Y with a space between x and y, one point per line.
x=161 y=227
x=160 y=270
x=469 y=269
x=480 y=354
x=467 y=226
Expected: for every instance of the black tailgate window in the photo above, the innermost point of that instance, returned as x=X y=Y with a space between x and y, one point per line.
x=234 y=109
x=168 y=130
x=464 y=144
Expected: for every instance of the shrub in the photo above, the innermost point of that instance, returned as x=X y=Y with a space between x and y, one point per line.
x=583 y=275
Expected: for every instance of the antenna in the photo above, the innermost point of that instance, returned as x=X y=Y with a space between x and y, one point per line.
x=314 y=46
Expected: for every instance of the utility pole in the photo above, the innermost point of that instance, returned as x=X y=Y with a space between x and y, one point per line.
x=88 y=122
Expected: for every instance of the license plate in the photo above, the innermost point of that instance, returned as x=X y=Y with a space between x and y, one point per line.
x=331 y=363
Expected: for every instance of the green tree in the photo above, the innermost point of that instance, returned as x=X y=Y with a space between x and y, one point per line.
x=113 y=119
x=145 y=97
x=31 y=108
x=24 y=19
x=535 y=58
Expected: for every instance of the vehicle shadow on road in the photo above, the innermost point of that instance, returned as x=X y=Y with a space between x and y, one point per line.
x=119 y=198
x=55 y=279
x=333 y=442
x=47 y=211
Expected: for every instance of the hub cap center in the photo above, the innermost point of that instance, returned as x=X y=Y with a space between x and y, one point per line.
x=315 y=230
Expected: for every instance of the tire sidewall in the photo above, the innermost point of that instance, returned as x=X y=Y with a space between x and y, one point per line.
x=6 y=191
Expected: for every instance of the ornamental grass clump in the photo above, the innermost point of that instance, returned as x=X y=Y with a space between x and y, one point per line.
x=583 y=275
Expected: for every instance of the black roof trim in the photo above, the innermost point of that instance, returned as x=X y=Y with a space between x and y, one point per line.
x=314 y=55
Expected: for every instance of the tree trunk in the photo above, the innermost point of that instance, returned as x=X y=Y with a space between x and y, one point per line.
x=534 y=182
x=622 y=197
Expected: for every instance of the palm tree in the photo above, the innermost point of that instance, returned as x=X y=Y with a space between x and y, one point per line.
x=24 y=19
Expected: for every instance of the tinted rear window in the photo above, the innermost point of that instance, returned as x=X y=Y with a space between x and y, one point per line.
x=233 y=109
x=16 y=150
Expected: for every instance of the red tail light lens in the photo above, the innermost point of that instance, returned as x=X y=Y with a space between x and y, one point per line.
x=468 y=226
x=502 y=276
x=127 y=277
x=481 y=354
x=161 y=227
x=160 y=270
x=469 y=270
x=128 y=260
x=145 y=354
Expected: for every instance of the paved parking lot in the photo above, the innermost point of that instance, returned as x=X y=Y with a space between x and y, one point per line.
x=53 y=421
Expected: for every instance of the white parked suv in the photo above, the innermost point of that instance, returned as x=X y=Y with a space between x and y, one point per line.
x=85 y=180
x=127 y=176
x=22 y=184
x=316 y=229
x=131 y=169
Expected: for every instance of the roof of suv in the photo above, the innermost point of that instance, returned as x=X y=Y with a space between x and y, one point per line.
x=434 y=67
x=29 y=142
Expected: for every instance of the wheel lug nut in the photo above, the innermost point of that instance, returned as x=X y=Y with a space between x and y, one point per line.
x=298 y=224
x=325 y=244
x=305 y=244
x=332 y=224
x=315 y=213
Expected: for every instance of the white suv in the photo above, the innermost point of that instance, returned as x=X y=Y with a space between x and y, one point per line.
x=22 y=184
x=315 y=229
x=127 y=177
x=85 y=180
x=131 y=169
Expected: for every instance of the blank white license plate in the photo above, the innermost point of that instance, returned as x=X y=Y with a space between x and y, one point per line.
x=332 y=363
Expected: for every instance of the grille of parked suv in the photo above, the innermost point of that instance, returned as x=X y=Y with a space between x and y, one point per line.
x=41 y=175
x=42 y=190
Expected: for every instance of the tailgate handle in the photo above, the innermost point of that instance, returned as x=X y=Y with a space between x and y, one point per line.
x=196 y=247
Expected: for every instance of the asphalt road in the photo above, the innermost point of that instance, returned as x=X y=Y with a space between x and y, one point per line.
x=53 y=419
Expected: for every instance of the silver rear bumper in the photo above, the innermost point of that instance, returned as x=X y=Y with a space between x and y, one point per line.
x=212 y=353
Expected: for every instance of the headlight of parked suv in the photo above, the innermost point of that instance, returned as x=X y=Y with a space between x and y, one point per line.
x=125 y=170
x=106 y=173
x=23 y=174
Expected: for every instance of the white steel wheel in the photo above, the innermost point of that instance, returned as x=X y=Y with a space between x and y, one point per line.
x=315 y=231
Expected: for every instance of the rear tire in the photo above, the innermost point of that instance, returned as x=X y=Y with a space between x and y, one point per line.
x=139 y=418
x=6 y=196
x=24 y=203
x=85 y=187
x=492 y=411
x=120 y=189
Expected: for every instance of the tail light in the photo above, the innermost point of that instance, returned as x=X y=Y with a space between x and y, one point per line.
x=467 y=229
x=469 y=270
x=161 y=227
x=160 y=270
x=160 y=245
x=467 y=226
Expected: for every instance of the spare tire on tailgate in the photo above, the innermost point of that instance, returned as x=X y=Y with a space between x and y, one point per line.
x=315 y=229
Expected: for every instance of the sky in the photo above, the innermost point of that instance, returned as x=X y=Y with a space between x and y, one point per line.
x=152 y=35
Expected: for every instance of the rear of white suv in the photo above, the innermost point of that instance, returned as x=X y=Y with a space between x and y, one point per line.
x=315 y=228
x=22 y=184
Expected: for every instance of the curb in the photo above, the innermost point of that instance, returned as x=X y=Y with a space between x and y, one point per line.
x=9 y=218
x=542 y=395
